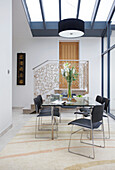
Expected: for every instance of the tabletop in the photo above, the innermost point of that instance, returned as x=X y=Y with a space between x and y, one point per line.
x=85 y=102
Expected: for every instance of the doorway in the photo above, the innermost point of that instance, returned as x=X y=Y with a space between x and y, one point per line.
x=68 y=52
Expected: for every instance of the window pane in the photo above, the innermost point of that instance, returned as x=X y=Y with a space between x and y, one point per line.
x=86 y=9
x=113 y=19
x=112 y=81
x=105 y=75
x=112 y=39
x=69 y=8
x=103 y=10
x=105 y=43
x=34 y=10
x=51 y=10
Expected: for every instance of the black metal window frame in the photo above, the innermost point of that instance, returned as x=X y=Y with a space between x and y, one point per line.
x=49 y=29
x=103 y=53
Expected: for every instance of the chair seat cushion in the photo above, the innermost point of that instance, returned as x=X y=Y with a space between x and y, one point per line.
x=85 y=110
x=47 y=112
x=44 y=114
x=82 y=113
x=85 y=123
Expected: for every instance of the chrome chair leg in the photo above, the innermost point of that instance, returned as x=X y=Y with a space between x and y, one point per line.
x=103 y=135
x=92 y=157
x=36 y=127
x=108 y=128
x=60 y=119
x=92 y=134
x=70 y=139
x=93 y=145
x=71 y=136
x=39 y=123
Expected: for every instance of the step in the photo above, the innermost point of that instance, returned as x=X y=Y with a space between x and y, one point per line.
x=74 y=91
x=32 y=106
x=28 y=110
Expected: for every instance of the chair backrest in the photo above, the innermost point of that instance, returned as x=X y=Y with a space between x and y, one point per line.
x=40 y=99
x=106 y=101
x=37 y=104
x=97 y=113
x=99 y=99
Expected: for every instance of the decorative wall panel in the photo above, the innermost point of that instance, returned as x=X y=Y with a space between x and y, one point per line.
x=21 y=61
x=46 y=78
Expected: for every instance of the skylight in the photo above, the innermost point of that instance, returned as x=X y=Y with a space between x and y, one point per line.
x=113 y=19
x=51 y=10
x=103 y=10
x=34 y=10
x=69 y=8
x=86 y=9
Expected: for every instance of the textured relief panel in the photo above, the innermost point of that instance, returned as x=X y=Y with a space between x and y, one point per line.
x=46 y=77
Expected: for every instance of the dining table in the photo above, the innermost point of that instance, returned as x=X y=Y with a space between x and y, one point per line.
x=87 y=102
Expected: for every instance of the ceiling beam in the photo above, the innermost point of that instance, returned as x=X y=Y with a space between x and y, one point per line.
x=95 y=10
x=78 y=8
x=112 y=10
x=52 y=29
x=42 y=12
x=110 y=15
x=60 y=10
x=54 y=25
x=26 y=11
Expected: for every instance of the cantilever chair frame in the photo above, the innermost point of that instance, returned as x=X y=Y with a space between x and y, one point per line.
x=92 y=136
x=100 y=100
x=39 y=124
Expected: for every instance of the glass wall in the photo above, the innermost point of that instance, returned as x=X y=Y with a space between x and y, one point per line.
x=109 y=79
x=105 y=75
x=112 y=38
x=112 y=81
x=105 y=43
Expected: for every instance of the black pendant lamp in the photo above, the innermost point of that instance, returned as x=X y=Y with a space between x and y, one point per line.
x=71 y=28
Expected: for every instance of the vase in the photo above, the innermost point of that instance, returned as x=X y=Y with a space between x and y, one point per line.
x=69 y=90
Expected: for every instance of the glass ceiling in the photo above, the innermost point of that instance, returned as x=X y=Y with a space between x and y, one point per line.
x=86 y=9
x=34 y=10
x=51 y=10
x=68 y=9
x=113 y=19
x=103 y=11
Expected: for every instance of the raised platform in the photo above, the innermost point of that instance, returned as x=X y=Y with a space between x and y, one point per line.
x=29 y=110
x=74 y=91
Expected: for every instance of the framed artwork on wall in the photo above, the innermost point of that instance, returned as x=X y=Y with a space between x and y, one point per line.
x=21 y=64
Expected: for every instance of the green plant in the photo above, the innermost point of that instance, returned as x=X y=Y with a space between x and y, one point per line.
x=79 y=95
x=70 y=74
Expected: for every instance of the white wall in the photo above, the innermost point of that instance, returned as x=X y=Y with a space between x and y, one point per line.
x=5 y=64
x=40 y=49
x=90 y=49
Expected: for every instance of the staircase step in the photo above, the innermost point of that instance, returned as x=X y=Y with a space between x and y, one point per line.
x=28 y=110
x=32 y=106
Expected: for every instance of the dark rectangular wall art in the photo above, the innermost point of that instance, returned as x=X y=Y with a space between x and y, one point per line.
x=21 y=64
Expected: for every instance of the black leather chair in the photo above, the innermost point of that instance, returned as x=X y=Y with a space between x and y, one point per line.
x=44 y=112
x=85 y=111
x=94 y=123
